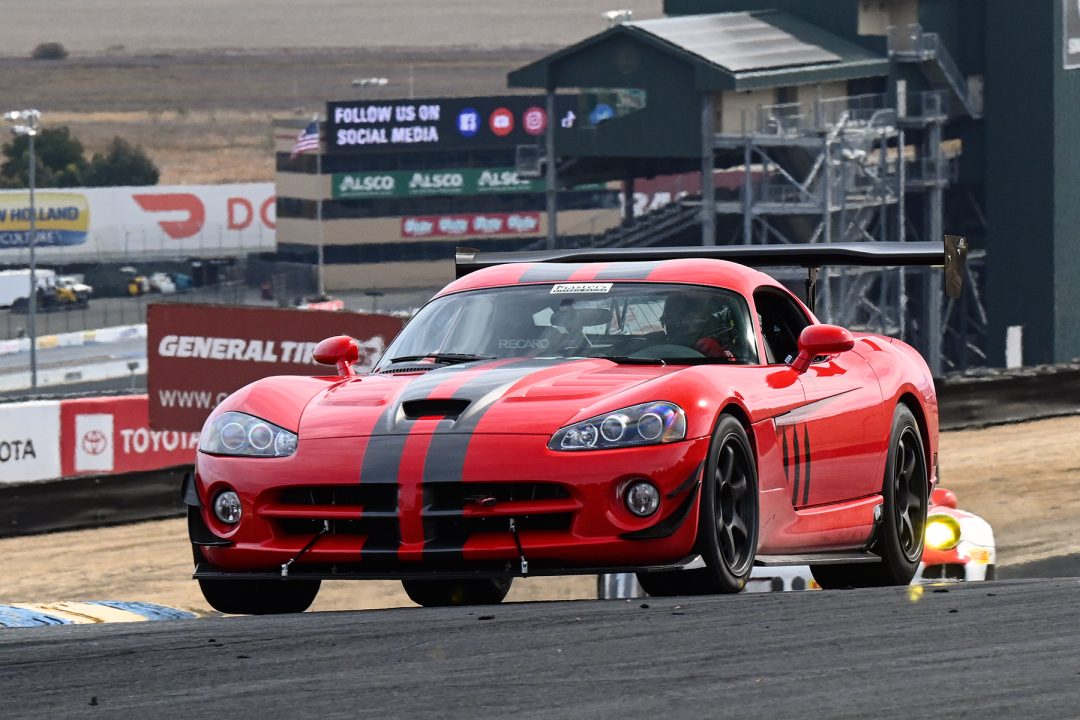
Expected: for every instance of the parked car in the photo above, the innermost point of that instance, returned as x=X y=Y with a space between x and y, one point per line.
x=79 y=291
x=136 y=284
x=162 y=283
x=660 y=411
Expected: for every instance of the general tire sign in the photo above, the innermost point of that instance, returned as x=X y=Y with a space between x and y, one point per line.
x=199 y=354
x=1071 y=39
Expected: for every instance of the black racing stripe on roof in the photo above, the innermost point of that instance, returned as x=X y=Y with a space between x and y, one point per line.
x=627 y=271
x=549 y=272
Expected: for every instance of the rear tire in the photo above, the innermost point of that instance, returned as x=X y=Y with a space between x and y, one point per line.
x=445 y=593
x=259 y=597
x=905 y=492
x=727 y=523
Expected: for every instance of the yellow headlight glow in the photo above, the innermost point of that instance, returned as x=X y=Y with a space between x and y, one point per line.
x=942 y=532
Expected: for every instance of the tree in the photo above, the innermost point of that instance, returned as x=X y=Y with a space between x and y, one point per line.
x=49 y=51
x=60 y=160
x=121 y=164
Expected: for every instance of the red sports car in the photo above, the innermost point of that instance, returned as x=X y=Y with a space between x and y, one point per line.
x=670 y=411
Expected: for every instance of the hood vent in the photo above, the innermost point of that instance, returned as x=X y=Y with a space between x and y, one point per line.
x=450 y=408
x=409 y=369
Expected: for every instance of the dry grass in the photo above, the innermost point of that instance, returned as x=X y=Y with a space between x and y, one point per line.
x=206 y=117
x=189 y=147
x=96 y=26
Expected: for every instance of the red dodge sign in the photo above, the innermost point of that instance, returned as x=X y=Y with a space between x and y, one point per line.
x=199 y=354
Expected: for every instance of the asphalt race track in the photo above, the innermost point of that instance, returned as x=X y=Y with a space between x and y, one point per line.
x=1001 y=649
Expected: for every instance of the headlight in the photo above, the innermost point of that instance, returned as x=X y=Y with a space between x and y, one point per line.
x=235 y=433
x=645 y=424
x=942 y=532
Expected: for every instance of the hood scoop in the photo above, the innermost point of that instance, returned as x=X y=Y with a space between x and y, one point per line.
x=448 y=408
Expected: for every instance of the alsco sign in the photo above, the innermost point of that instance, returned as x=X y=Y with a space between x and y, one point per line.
x=425 y=183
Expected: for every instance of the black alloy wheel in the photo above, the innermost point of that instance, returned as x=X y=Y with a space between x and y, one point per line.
x=727 y=523
x=909 y=492
x=899 y=537
x=443 y=593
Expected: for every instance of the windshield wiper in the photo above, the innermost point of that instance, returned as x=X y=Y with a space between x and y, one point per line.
x=629 y=360
x=449 y=358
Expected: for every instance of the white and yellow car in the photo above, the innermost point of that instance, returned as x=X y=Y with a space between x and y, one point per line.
x=959 y=545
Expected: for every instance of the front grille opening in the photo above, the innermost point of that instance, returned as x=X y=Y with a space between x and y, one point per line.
x=947 y=571
x=451 y=408
x=306 y=527
x=449 y=496
x=371 y=495
x=554 y=521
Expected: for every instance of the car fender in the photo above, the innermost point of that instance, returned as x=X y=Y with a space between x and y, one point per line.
x=278 y=399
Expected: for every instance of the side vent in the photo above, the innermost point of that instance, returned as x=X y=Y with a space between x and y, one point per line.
x=451 y=408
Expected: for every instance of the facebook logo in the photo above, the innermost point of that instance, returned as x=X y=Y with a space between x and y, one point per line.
x=468 y=122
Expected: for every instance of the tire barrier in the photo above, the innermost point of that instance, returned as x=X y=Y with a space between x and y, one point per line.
x=89 y=612
x=75 y=339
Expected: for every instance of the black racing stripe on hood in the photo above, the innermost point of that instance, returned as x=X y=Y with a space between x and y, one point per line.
x=445 y=537
x=380 y=465
x=394 y=422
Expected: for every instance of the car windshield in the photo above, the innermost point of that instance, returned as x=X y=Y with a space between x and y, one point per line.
x=627 y=322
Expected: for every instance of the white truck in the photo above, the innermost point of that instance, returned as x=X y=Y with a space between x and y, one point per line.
x=15 y=284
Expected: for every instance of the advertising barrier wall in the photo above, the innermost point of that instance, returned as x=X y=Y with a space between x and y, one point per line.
x=199 y=354
x=120 y=223
x=51 y=439
x=112 y=435
x=29 y=442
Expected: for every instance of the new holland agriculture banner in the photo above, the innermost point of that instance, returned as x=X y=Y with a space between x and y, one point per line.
x=109 y=224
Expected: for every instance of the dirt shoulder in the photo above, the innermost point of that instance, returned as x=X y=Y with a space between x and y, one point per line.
x=1024 y=479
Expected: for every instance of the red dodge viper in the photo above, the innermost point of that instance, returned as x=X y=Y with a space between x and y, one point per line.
x=664 y=411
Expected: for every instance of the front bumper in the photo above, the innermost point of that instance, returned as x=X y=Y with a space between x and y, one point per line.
x=424 y=514
x=967 y=561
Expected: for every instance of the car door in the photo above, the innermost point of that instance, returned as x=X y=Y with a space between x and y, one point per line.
x=831 y=443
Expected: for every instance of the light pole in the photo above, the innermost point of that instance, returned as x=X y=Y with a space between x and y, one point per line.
x=28 y=123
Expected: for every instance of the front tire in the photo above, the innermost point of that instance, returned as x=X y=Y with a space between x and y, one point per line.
x=905 y=492
x=256 y=597
x=445 y=593
x=259 y=597
x=727 y=523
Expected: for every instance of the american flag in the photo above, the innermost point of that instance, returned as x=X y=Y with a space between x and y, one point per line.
x=308 y=139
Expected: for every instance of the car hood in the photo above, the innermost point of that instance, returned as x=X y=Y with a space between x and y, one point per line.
x=502 y=396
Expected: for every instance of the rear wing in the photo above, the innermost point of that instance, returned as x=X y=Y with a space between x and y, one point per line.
x=950 y=254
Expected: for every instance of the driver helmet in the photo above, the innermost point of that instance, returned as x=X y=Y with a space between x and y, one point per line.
x=691 y=316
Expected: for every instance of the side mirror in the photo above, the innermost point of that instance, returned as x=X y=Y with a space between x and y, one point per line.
x=817 y=340
x=340 y=350
x=944 y=497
